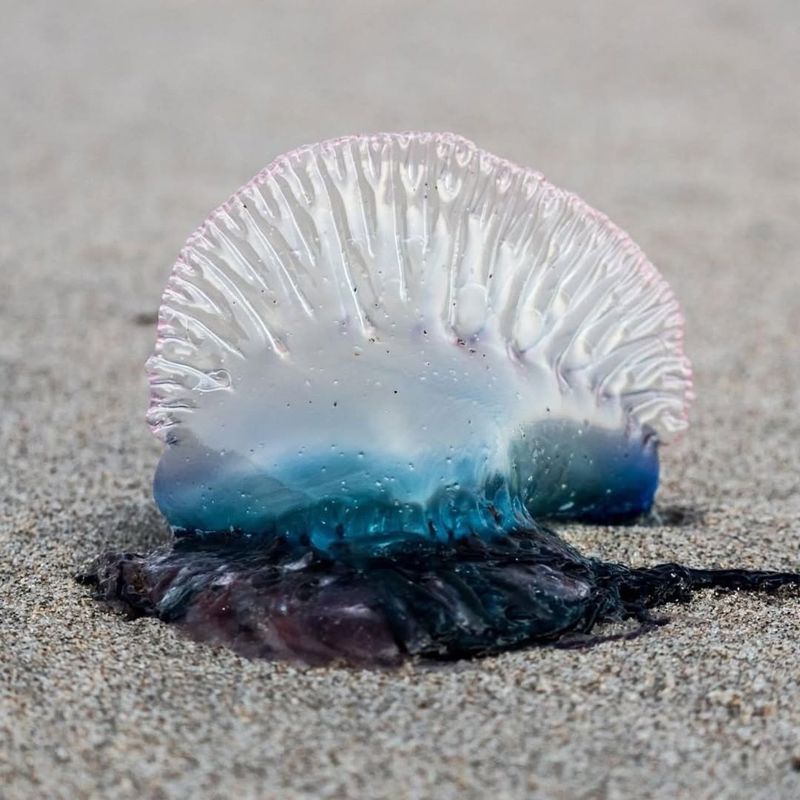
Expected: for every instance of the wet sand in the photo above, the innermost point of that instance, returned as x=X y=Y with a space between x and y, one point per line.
x=124 y=123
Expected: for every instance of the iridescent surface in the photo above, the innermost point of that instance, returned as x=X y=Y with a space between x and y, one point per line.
x=403 y=335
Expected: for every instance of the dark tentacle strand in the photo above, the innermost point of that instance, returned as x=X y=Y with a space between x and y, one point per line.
x=664 y=583
x=277 y=600
x=743 y=579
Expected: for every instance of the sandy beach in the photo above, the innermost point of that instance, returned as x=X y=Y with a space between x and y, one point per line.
x=124 y=123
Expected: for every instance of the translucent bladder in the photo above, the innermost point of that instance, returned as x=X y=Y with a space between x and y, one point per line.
x=401 y=335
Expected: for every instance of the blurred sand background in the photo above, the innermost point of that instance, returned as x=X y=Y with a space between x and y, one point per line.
x=122 y=124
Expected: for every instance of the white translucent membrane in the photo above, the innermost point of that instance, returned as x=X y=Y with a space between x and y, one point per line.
x=387 y=315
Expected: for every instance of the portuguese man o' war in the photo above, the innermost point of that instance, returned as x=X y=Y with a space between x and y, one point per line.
x=380 y=366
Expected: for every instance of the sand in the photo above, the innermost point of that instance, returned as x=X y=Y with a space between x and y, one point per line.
x=124 y=123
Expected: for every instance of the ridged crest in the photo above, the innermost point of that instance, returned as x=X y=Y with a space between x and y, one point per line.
x=380 y=234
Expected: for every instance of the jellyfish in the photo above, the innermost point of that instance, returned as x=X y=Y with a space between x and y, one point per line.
x=382 y=367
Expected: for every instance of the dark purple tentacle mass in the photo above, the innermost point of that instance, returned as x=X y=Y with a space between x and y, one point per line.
x=281 y=600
